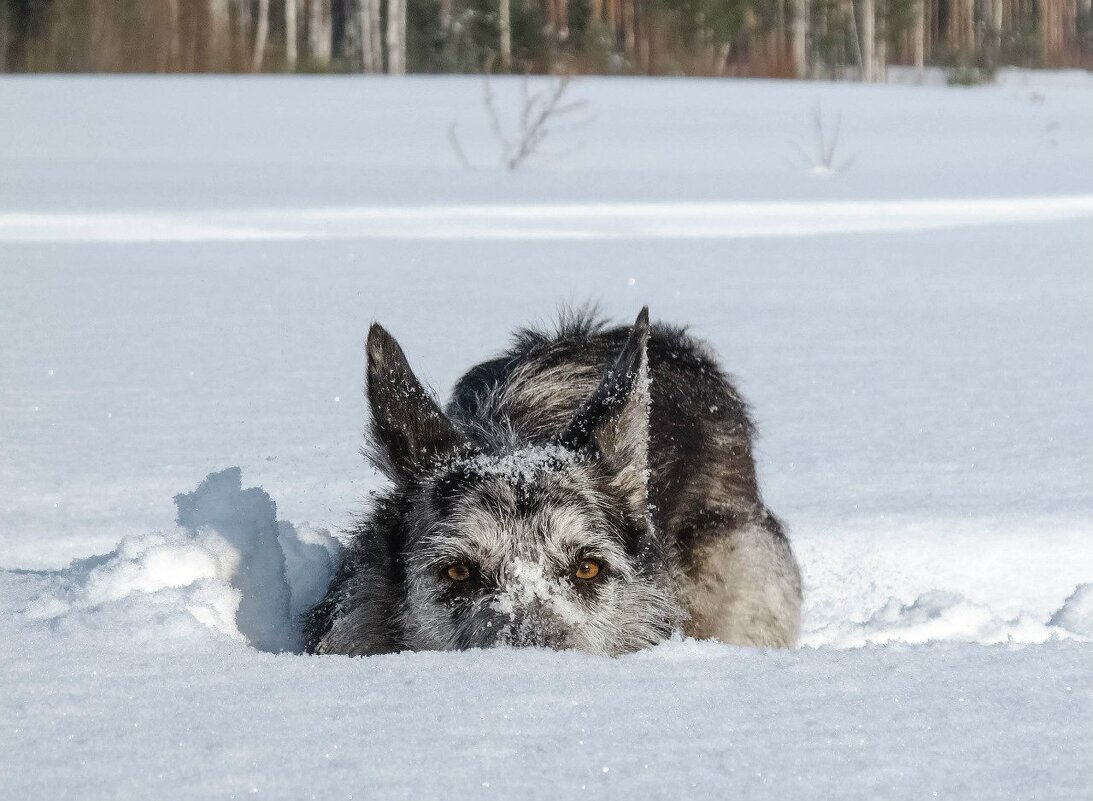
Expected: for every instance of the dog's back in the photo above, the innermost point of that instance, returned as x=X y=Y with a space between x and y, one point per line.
x=738 y=579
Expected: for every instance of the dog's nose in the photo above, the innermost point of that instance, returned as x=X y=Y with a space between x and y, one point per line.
x=529 y=627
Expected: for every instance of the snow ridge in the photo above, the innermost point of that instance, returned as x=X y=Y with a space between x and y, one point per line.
x=553 y=221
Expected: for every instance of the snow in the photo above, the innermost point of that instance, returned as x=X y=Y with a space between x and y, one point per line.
x=686 y=719
x=1076 y=614
x=188 y=268
x=522 y=465
x=570 y=221
x=229 y=564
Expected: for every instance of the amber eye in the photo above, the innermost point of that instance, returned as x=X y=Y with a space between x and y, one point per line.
x=587 y=569
x=458 y=572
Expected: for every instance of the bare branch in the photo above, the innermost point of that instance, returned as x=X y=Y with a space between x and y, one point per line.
x=823 y=159
x=540 y=113
x=492 y=113
x=457 y=147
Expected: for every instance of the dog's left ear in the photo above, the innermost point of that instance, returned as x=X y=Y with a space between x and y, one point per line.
x=613 y=424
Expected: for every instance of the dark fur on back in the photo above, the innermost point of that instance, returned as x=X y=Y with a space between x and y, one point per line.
x=653 y=446
x=700 y=430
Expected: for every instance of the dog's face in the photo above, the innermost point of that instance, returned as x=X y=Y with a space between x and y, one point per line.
x=532 y=548
x=549 y=545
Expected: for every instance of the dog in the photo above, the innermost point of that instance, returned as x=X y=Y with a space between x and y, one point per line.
x=593 y=488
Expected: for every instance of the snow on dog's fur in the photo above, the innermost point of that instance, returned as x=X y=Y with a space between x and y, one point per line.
x=591 y=489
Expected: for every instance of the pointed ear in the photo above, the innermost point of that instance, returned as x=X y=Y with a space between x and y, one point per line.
x=409 y=431
x=613 y=424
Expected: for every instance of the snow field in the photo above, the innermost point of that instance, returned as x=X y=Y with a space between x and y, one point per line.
x=182 y=290
x=100 y=715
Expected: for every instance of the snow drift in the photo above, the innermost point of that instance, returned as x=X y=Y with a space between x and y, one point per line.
x=231 y=567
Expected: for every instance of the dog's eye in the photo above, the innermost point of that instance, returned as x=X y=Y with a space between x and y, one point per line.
x=458 y=572
x=587 y=569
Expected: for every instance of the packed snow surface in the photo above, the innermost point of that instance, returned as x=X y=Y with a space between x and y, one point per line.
x=677 y=220
x=188 y=268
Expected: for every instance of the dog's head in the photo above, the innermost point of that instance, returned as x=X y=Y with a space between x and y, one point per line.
x=548 y=545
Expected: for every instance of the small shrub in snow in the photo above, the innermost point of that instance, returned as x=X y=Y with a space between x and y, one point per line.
x=542 y=111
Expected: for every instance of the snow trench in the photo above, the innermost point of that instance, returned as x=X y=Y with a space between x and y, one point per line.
x=231 y=569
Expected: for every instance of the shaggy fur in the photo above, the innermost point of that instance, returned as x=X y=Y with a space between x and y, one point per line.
x=625 y=446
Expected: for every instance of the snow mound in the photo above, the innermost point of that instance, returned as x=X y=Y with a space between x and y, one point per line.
x=230 y=565
x=1076 y=613
x=940 y=615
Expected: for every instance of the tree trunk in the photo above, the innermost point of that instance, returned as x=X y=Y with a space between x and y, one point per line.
x=777 y=42
x=291 y=56
x=219 y=35
x=962 y=26
x=933 y=27
x=800 y=38
x=723 y=59
x=371 y=42
x=851 y=13
x=504 y=26
x=918 y=38
x=629 y=24
x=173 y=56
x=320 y=34
x=352 y=40
x=1070 y=23
x=996 y=7
x=868 y=41
x=1051 y=23
x=645 y=53
x=240 y=31
x=880 y=58
x=376 y=29
x=396 y=33
x=7 y=29
x=969 y=25
x=562 y=31
x=445 y=27
x=261 y=33
x=243 y=20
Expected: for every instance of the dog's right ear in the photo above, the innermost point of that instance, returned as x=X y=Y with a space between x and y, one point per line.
x=410 y=433
x=613 y=423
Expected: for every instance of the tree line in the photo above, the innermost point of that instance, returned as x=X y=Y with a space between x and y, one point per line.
x=777 y=38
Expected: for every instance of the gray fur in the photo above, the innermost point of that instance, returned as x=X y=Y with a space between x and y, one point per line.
x=625 y=446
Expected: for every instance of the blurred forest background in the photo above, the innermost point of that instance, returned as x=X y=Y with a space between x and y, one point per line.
x=780 y=38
